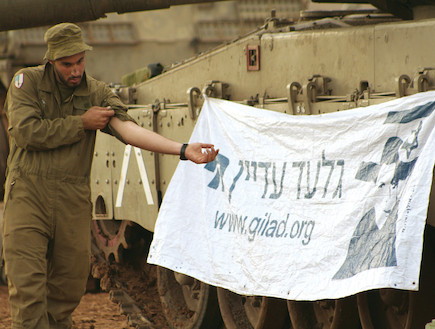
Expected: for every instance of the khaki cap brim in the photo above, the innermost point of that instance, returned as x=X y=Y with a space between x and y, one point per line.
x=64 y=40
x=66 y=51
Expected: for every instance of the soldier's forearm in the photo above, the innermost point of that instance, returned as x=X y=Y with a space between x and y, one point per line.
x=145 y=139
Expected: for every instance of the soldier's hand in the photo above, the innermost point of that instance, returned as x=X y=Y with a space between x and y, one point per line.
x=97 y=117
x=201 y=153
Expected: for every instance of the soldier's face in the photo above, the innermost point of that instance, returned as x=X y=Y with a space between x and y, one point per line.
x=69 y=70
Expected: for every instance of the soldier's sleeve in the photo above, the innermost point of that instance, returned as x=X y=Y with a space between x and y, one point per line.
x=112 y=100
x=27 y=125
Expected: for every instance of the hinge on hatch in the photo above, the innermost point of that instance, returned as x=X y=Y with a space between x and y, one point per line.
x=216 y=89
x=194 y=101
x=301 y=98
x=421 y=82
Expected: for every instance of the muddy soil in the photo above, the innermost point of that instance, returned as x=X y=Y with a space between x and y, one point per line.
x=140 y=284
x=96 y=311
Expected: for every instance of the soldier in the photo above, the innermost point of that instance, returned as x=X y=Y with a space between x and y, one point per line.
x=54 y=111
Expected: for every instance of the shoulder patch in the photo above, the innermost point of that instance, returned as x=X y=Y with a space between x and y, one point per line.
x=18 y=80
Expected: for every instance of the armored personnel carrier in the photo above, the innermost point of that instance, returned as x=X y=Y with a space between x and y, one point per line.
x=324 y=61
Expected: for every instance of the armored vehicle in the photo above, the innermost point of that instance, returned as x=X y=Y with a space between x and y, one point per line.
x=324 y=61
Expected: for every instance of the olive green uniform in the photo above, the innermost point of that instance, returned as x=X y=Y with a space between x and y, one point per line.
x=48 y=211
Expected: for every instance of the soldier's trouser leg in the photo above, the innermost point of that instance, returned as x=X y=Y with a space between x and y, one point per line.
x=26 y=233
x=68 y=267
x=44 y=293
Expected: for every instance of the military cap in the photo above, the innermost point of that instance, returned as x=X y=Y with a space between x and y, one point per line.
x=64 y=40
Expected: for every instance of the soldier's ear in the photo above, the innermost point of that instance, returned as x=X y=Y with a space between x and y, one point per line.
x=51 y=62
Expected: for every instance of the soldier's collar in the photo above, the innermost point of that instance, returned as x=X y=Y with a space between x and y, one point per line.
x=48 y=79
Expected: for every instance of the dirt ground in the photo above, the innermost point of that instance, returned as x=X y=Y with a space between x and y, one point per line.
x=141 y=286
x=96 y=311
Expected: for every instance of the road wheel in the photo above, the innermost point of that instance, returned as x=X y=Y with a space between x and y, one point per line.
x=401 y=309
x=252 y=312
x=386 y=308
x=187 y=303
x=109 y=236
x=325 y=314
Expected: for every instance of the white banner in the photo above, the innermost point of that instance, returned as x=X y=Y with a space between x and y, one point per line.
x=303 y=207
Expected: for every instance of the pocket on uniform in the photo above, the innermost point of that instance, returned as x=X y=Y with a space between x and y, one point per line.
x=81 y=105
x=10 y=183
x=79 y=111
